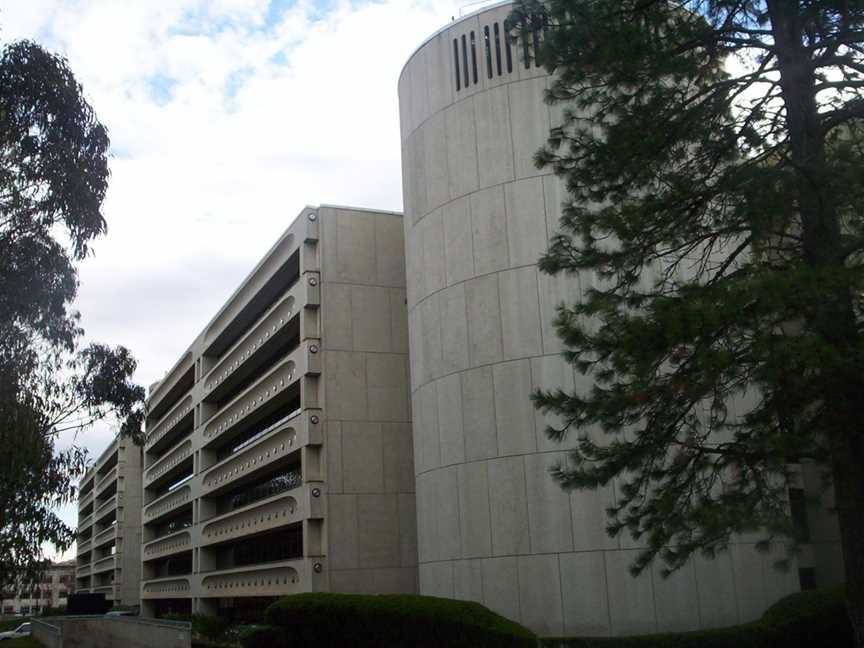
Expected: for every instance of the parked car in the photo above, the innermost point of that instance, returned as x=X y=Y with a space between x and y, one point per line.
x=117 y=613
x=22 y=630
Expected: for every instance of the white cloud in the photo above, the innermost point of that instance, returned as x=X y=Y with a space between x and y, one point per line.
x=224 y=123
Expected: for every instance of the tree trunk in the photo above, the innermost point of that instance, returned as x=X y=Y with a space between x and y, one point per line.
x=833 y=317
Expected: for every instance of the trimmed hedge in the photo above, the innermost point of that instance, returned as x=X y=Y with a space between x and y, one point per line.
x=801 y=620
x=399 y=620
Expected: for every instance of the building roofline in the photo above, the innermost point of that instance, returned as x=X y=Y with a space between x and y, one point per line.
x=452 y=23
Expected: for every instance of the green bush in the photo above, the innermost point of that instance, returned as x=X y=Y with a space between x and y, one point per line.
x=335 y=620
x=801 y=620
x=209 y=627
x=262 y=636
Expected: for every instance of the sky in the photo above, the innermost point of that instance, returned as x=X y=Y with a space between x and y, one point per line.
x=226 y=118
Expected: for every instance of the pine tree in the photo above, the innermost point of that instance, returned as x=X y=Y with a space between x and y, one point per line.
x=713 y=154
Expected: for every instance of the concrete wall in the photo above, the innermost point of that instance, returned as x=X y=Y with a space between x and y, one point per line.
x=107 y=632
x=492 y=525
x=371 y=522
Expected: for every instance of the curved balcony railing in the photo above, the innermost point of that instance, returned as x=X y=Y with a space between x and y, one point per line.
x=106 y=480
x=265 y=515
x=104 y=564
x=169 y=461
x=272 y=448
x=173 y=418
x=169 y=545
x=273 y=580
x=258 y=395
x=107 y=590
x=84 y=500
x=104 y=536
x=172 y=587
x=167 y=503
x=167 y=385
x=268 y=326
x=105 y=507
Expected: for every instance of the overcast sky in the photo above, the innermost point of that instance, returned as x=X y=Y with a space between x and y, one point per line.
x=226 y=117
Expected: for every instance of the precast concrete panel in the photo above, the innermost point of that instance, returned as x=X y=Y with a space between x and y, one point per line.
x=492 y=525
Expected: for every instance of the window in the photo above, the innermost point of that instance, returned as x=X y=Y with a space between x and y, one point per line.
x=807 y=578
x=474 y=57
x=488 y=48
x=798 y=510
x=497 y=32
x=456 y=64
x=465 y=58
x=509 y=52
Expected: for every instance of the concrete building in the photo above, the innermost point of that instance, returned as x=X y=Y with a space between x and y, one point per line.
x=278 y=456
x=492 y=525
x=55 y=586
x=109 y=525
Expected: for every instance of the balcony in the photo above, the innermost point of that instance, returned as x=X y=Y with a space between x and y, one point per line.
x=264 y=396
x=286 y=438
x=276 y=579
x=84 y=500
x=163 y=432
x=105 y=536
x=82 y=571
x=104 y=564
x=170 y=465
x=277 y=326
x=167 y=504
x=280 y=510
x=179 y=380
x=105 y=508
x=169 y=545
x=84 y=545
x=107 y=590
x=106 y=480
x=172 y=587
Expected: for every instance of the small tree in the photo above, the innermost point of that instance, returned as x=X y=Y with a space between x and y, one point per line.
x=713 y=155
x=53 y=177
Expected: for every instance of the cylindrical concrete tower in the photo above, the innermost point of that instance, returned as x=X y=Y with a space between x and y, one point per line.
x=492 y=525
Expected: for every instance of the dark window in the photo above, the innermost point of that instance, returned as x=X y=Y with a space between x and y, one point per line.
x=497 y=33
x=798 y=509
x=535 y=36
x=526 y=52
x=288 y=479
x=488 y=47
x=474 y=57
x=807 y=578
x=456 y=64
x=465 y=59
x=273 y=547
x=508 y=50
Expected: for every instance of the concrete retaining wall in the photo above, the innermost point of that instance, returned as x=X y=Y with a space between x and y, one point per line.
x=108 y=632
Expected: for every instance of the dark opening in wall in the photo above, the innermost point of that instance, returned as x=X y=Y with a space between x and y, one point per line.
x=465 y=58
x=526 y=53
x=456 y=64
x=535 y=37
x=798 y=510
x=508 y=50
x=474 y=57
x=807 y=578
x=488 y=48
x=497 y=32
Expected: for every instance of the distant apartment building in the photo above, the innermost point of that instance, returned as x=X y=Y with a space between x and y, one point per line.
x=52 y=590
x=109 y=525
x=278 y=456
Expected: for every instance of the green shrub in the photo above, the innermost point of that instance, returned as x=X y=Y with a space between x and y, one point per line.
x=209 y=627
x=336 y=620
x=262 y=636
x=801 y=620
